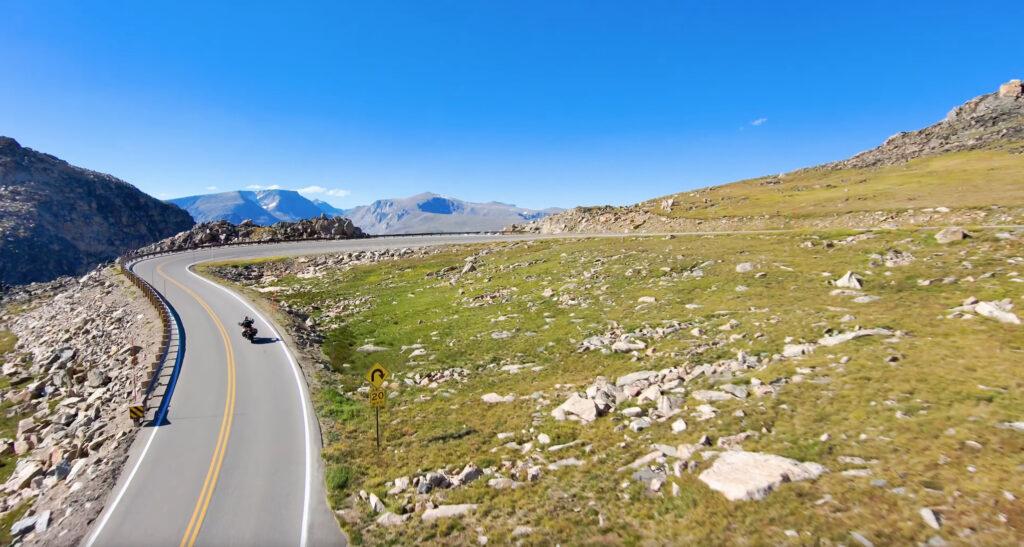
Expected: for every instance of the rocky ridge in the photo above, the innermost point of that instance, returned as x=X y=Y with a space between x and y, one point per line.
x=984 y=120
x=57 y=219
x=222 y=232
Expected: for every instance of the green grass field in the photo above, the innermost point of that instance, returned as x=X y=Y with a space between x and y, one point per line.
x=7 y=341
x=910 y=406
x=977 y=178
x=8 y=421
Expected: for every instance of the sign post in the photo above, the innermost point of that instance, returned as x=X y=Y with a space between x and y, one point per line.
x=378 y=397
x=137 y=408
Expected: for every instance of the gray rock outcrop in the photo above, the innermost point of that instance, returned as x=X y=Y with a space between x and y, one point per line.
x=57 y=219
x=223 y=232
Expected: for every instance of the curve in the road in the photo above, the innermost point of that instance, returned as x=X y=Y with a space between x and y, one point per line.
x=237 y=459
x=307 y=486
x=217 y=461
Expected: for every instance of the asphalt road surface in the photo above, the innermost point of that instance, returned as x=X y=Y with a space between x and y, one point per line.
x=237 y=459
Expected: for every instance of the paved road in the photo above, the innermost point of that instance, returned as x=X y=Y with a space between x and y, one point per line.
x=237 y=461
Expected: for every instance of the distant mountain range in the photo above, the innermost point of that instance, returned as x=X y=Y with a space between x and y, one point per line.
x=264 y=207
x=57 y=219
x=434 y=213
x=420 y=213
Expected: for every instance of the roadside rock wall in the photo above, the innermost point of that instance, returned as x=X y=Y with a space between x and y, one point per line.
x=71 y=379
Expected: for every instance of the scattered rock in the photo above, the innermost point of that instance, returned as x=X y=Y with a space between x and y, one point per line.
x=448 y=511
x=860 y=539
x=743 y=475
x=949 y=235
x=837 y=339
x=931 y=518
x=581 y=407
x=797 y=350
x=494 y=398
x=1000 y=311
x=400 y=485
x=375 y=504
x=639 y=424
x=850 y=281
x=468 y=474
x=521 y=531
x=23 y=526
x=391 y=519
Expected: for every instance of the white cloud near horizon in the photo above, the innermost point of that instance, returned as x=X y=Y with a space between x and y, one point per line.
x=758 y=122
x=211 y=188
x=332 y=192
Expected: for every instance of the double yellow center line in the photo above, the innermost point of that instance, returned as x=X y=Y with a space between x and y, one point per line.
x=206 y=494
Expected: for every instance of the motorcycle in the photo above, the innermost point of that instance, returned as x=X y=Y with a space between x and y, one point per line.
x=248 y=330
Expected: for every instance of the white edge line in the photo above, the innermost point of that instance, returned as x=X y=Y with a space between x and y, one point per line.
x=109 y=510
x=299 y=384
x=124 y=488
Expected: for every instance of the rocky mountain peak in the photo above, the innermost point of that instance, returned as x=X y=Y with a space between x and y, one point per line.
x=1013 y=89
x=978 y=123
x=8 y=144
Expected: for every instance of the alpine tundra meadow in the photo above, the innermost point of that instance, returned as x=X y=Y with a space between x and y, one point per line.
x=574 y=273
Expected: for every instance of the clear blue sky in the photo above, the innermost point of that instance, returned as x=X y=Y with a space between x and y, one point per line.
x=538 y=103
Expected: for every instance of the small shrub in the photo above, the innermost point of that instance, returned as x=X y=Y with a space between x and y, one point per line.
x=338 y=477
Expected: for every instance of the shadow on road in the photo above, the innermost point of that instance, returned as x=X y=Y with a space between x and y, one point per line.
x=261 y=340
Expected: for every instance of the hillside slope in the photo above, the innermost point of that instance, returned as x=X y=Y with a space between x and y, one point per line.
x=57 y=219
x=947 y=172
x=428 y=212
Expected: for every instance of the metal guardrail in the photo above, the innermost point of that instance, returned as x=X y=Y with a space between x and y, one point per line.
x=168 y=323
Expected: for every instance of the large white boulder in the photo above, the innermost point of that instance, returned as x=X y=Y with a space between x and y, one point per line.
x=949 y=235
x=999 y=311
x=583 y=408
x=850 y=281
x=741 y=475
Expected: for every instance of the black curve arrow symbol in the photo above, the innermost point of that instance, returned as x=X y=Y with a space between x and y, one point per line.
x=374 y=373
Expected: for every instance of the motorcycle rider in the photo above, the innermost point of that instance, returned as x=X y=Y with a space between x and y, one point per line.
x=248 y=330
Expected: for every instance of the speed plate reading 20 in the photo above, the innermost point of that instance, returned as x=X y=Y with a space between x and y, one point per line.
x=377 y=397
